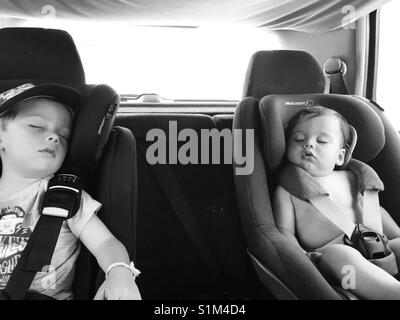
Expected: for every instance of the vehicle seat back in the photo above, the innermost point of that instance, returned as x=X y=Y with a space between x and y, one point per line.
x=282 y=72
x=175 y=269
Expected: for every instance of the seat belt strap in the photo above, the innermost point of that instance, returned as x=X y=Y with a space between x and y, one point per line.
x=185 y=213
x=330 y=210
x=177 y=199
x=61 y=202
x=40 y=244
x=372 y=218
x=334 y=69
x=337 y=84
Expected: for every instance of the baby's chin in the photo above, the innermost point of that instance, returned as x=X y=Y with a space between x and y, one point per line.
x=312 y=170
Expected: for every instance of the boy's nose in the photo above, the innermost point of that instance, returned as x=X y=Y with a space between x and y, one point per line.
x=53 y=137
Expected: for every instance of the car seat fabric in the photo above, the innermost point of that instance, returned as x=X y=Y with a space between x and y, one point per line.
x=46 y=55
x=268 y=117
x=283 y=72
x=276 y=111
x=386 y=164
x=274 y=251
x=283 y=269
x=116 y=186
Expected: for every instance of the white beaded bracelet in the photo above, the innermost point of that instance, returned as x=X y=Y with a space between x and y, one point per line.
x=130 y=266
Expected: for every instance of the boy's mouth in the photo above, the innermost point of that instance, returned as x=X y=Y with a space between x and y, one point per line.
x=49 y=151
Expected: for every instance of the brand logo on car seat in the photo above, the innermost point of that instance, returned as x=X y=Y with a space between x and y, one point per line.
x=307 y=103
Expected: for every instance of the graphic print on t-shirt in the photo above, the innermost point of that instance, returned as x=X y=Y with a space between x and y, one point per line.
x=13 y=239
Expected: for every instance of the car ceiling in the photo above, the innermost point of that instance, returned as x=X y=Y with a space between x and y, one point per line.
x=299 y=15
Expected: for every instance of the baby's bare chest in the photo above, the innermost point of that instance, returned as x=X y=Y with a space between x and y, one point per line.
x=342 y=189
x=312 y=227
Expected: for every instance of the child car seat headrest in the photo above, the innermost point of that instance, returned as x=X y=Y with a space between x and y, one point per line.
x=47 y=56
x=92 y=127
x=277 y=110
x=283 y=72
x=44 y=55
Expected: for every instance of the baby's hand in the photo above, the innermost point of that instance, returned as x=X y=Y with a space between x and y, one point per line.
x=314 y=256
x=119 y=285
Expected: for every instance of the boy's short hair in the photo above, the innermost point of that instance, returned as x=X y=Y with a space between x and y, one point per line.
x=316 y=111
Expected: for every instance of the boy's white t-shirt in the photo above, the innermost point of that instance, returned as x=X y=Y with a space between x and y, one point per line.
x=19 y=214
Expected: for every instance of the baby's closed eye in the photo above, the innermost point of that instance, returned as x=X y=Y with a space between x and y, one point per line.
x=298 y=137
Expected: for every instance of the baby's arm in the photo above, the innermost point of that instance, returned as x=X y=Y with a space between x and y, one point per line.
x=120 y=282
x=284 y=214
x=390 y=227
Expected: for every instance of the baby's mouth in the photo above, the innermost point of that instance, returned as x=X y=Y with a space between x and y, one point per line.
x=50 y=151
x=308 y=154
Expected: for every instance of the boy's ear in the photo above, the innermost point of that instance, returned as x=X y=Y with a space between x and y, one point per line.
x=341 y=157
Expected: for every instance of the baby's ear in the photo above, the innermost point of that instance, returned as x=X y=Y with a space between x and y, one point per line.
x=341 y=157
x=1 y=130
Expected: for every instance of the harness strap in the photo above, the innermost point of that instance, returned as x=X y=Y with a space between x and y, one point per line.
x=64 y=193
x=330 y=210
x=372 y=218
x=302 y=185
x=371 y=212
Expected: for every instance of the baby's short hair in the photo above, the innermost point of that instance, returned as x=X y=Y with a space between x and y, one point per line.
x=316 y=111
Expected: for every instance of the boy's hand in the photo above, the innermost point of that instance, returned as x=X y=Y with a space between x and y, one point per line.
x=119 y=285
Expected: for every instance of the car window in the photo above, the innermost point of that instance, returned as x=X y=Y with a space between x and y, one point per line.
x=388 y=63
x=195 y=63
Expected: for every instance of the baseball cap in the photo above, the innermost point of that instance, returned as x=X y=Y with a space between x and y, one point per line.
x=66 y=95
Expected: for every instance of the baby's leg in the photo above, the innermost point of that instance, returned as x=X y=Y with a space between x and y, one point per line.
x=394 y=245
x=371 y=282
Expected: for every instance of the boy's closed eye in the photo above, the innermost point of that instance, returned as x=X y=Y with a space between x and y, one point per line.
x=36 y=126
x=65 y=134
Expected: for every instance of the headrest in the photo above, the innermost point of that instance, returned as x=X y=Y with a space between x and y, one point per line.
x=283 y=72
x=276 y=111
x=49 y=56
x=44 y=55
x=92 y=127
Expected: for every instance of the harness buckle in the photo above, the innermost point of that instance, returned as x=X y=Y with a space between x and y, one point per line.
x=63 y=196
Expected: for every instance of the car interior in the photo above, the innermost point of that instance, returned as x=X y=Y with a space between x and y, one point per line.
x=196 y=229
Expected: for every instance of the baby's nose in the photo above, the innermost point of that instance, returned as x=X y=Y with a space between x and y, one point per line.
x=309 y=144
x=53 y=137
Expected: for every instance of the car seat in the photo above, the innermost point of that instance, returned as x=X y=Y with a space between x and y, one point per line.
x=281 y=266
x=102 y=155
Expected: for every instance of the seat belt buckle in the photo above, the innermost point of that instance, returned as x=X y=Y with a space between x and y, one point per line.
x=63 y=196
